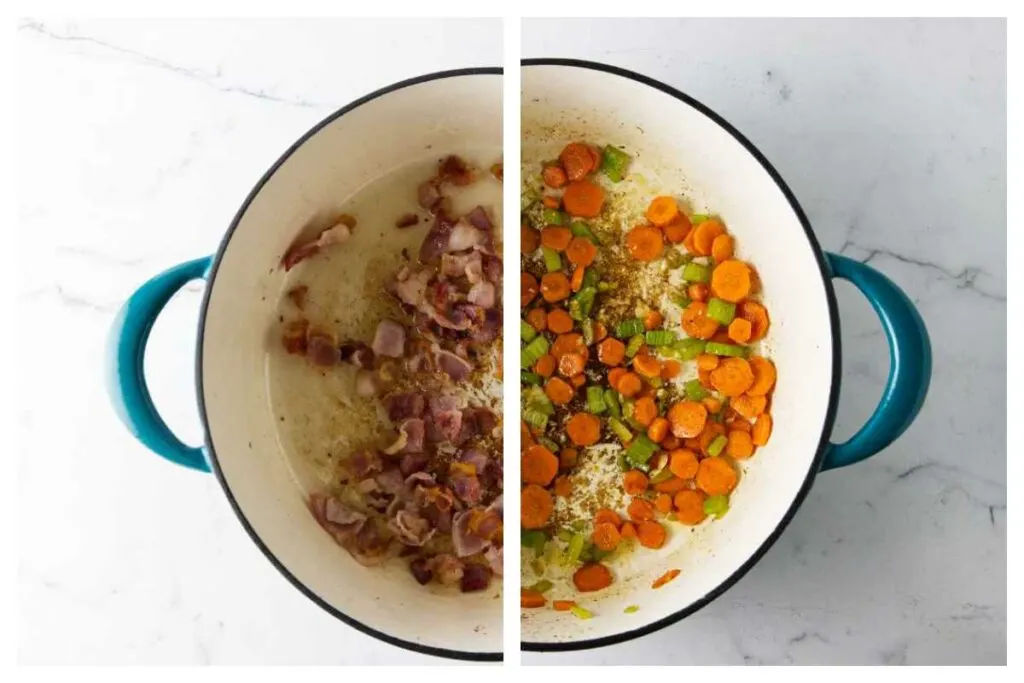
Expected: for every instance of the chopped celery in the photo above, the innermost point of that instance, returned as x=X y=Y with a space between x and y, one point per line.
x=621 y=461
x=695 y=272
x=655 y=382
x=591 y=277
x=532 y=352
x=595 y=400
x=613 y=163
x=565 y=535
x=552 y=217
x=717 y=445
x=538 y=566
x=719 y=349
x=620 y=430
x=641 y=450
x=578 y=525
x=582 y=303
x=581 y=612
x=542 y=586
x=531 y=538
x=699 y=218
x=587 y=326
x=720 y=310
x=716 y=505
x=659 y=337
x=628 y=328
x=526 y=331
x=633 y=347
x=528 y=377
x=548 y=444
x=535 y=418
x=580 y=229
x=690 y=348
x=611 y=401
x=535 y=398
x=576 y=547
x=676 y=259
x=661 y=475
x=695 y=391
x=552 y=261
x=632 y=609
x=679 y=297
x=606 y=286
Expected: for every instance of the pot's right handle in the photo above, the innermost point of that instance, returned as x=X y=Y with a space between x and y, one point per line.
x=910 y=363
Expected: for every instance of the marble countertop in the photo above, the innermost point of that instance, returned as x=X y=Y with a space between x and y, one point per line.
x=140 y=139
x=892 y=135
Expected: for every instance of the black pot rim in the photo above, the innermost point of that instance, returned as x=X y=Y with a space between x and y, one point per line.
x=833 y=402
x=211 y=452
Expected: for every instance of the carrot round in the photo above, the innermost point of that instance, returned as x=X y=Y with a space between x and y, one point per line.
x=644 y=243
x=614 y=375
x=762 y=430
x=764 y=376
x=687 y=419
x=696 y=322
x=568 y=343
x=578 y=380
x=562 y=605
x=577 y=159
x=707 y=362
x=571 y=364
x=704 y=236
x=527 y=289
x=653 y=320
x=600 y=331
x=690 y=507
x=554 y=287
x=722 y=248
x=611 y=352
x=740 y=424
x=550 y=201
x=671 y=486
x=665 y=578
x=634 y=482
x=559 y=391
x=662 y=211
x=671 y=368
x=698 y=291
x=683 y=463
x=584 y=429
x=648 y=366
x=758 y=317
x=591 y=577
x=749 y=407
x=554 y=177
x=670 y=442
x=539 y=465
x=530 y=598
x=629 y=384
x=576 y=281
x=658 y=429
x=607 y=516
x=628 y=530
x=716 y=477
x=640 y=510
x=583 y=198
x=567 y=458
x=712 y=404
x=733 y=376
x=645 y=410
x=559 y=321
x=529 y=240
x=537 y=319
x=677 y=230
x=606 y=536
x=535 y=507
x=740 y=330
x=730 y=280
x=663 y=503
x=555 y=237
x=651 y=534
x=740 y=445
x=581 y=252
x=563 y=487
x=545 y=365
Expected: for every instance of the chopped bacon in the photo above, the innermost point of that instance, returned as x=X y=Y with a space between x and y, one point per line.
x=453 y=169
x=389 y=339
x=407 y=221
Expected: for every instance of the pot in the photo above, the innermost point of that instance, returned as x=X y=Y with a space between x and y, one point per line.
x=414 y=121
x=682 y=147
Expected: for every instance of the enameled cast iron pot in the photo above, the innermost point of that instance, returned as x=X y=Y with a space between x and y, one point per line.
x=684 y=148
x=366 y=140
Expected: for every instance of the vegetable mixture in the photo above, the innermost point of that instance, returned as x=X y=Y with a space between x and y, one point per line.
x=639 y=350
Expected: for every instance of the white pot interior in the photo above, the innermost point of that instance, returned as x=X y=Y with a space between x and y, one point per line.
x=682 y=152
x=405 y=129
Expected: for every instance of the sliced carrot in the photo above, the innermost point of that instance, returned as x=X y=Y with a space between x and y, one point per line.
x=578 y=380
x=670 y=442
x=687 y=418
x=696 y=322
x=712 y=430
x=591 y=577
x=568 y=343
x=567 y=458
x=611 y=352
x=762 y=430
x=733 y=376
x=614 y=375
x=665 y=578
x=563 y=605
x=554 y=287
x=740 y=424
x=707 y=362
x=563 y=487
x=663 y=503
x=671 y=486
x=651 y=534
x=716 y=477
x=688 y=242
x=577 y=159
x=583 y=198
x=535 y=507
x=539 y=465
x=576 y=281
x=640 y=510
x=571 y=364
x=600 y=331
x=629 y=384
x=559 y=391
x=527 y=289
x=554 y=177
x=722 y=248
x=550 y=201
x=758 y=317
x=524 y=434
x=662 y=211
x=581 y=252
x=545 y=365
x=698 y=291
x=555 y=237
x=634 y=482
x=648 y=366
x=559 y=321
x=764 y=376
x=730 y=280
x=537 y=319
x=584 y=429
x=683 y=463
x=740 y=445
x=606 y=536
x=529 y=599
x=653 y=320
x=690 y=507
x=658 y=429
x=749 y=407
x=712 y=404
x=671 y=368
x=645 y=410
x=644 y=243
x=704 y=236
x=740 y=330
x=677 y=230
x=628 y=530
x=529 y=240
x=704 y=377
x=607 y=516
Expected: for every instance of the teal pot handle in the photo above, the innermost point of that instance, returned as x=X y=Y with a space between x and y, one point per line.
x=126 y=348
x=910 y=364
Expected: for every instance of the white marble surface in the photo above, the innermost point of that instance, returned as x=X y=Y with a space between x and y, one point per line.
x=139 y=140
x=892 y=134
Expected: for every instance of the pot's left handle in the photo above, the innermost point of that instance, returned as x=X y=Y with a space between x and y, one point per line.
x=126 y=348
